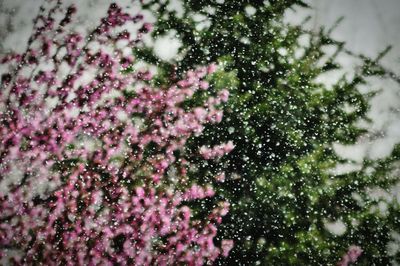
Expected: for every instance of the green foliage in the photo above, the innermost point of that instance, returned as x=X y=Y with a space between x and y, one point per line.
x=283 y=123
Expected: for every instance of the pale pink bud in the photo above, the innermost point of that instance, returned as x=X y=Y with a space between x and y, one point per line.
x=229 y=147
x=204 y=85
x=224 y=95
x=226 y=246
x=200 y=113
x=212 y=68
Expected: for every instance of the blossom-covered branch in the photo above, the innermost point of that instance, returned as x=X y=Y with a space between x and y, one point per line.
x=85 y=151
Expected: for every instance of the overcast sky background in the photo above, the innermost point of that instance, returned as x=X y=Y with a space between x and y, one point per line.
x=368 y=27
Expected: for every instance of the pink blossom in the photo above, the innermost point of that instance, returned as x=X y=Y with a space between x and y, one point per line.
x=212 y=68
x=216 y=151
x=204 y=85
x=353 y=253
x=110 y=192
x=228 y=147
x=226 y=246
x=224 y=95
x=147 y=27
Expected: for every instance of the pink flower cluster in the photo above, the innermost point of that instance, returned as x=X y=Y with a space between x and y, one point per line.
x=92 y=221
x=217 y=151
x=93 y=146
x=351 y=256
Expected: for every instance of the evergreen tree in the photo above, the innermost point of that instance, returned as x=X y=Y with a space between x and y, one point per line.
x=283 y=124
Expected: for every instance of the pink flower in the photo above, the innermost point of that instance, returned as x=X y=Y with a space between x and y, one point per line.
x=229 y=146
x=226 y=246
x=352 y=255
x=216 y=151
x=224 y=95
x=200 y=113
x=212 y=68
x=215 y=116
x=354 y=252
x=147 y=27
x=206 y=153
x=203 y=85
x=112 y=153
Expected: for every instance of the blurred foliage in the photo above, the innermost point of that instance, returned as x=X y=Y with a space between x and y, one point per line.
x=284 y=123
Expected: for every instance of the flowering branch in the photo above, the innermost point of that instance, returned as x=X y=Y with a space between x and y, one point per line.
x=85 y=152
